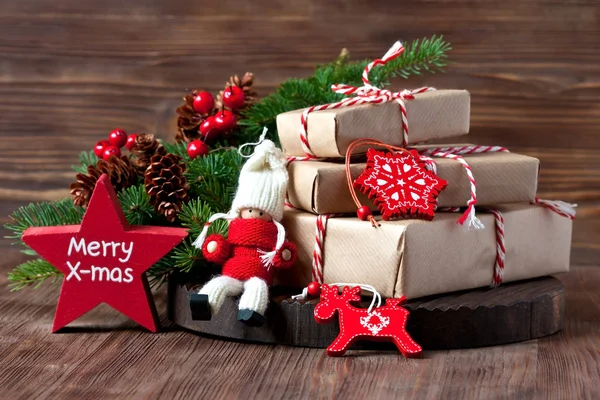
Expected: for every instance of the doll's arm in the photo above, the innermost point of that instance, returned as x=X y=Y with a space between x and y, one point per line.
x=286 y=256
x=216 y=249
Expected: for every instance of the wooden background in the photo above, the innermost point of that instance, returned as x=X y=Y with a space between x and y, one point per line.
x=72 y=70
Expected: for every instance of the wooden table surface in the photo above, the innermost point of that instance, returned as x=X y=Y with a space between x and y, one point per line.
x=72 y=70
x=107 y=356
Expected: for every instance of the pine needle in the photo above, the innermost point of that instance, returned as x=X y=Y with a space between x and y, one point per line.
x=86 y=158
x=135 y=203
x=32 y=273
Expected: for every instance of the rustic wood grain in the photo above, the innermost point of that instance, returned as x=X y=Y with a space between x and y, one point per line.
x=513 y=312
x=71 y=71
x=107 y=356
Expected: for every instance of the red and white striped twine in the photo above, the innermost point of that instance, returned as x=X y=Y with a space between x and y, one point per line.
x=454 y=153
x=317 y=264
x=469 y=215
x=500 y=249
x=559 y=207
x=462 y=150
x=366 y=94
x=562 y=208
x=321 y=229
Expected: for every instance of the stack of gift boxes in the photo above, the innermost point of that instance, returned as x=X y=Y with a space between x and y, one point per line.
x=415 y=257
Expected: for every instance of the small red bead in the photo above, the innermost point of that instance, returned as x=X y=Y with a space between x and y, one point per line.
x=118 y=138
x=233 y=97
x=225 y=121
x=209 y=129
x=111 y=151
x=99 y=148
x=314 y=289
x=131 y=141
x=203 y=102
x=197 y=148
x=363 y=213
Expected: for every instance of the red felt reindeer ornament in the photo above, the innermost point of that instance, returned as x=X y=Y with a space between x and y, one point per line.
x=382 y=323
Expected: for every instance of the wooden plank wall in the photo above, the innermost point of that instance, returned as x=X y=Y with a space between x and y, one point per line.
x=72 y=70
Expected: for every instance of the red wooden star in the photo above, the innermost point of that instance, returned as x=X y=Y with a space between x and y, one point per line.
x=104 y=260
x=400 y=185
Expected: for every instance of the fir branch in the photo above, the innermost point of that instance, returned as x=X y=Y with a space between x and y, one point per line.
x=186 y=257
x=426 y=55
x=135 y=203
x=159 y=272
x=86 y=158
x=194 y=215
x=213 y=178
x=179 y=149
x=32 y=273
x=62 y=212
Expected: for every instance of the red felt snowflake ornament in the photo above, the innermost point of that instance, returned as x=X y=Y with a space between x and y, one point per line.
x=400 y=185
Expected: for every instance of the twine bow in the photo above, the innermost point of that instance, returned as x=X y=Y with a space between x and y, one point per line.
x=366 y=94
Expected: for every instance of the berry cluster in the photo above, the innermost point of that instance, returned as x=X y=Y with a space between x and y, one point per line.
x=112 y=147
x=220 y=123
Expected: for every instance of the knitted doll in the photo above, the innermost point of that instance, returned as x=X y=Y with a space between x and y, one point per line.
x=255 y=245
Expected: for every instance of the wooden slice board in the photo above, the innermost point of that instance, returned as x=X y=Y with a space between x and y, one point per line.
x=482 y=317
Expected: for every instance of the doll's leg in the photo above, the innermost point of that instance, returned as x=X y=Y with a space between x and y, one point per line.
x=254 y=302
x=210 y=298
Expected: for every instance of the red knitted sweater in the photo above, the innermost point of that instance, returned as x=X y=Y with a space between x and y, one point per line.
x=239 y=253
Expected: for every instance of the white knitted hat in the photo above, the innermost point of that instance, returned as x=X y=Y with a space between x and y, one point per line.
x=262 y=185
x=263 y=181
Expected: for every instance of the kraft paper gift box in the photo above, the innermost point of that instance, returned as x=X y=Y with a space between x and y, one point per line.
x=418 y=258
x=501 y=178
x=431 y=115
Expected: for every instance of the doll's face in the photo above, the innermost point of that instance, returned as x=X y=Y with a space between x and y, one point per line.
x=254 y=213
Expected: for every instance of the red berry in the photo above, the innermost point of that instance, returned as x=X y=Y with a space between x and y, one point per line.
x=225 y=121
x=118 y=138
x=197 y=148
x=131 y=141
x=111 y=151
x=233 y=97
x=203 y=102
x=314 y=289
x=363 y=213
x=99 y=148
x=209 y=129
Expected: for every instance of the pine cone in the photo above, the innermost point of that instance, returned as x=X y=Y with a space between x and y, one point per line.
x=188 y=120
x=166 y=185
x=121 y=171
x=245 y=83
x=146 y=146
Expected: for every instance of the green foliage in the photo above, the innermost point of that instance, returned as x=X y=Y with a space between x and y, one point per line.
x=186 y=257
x=136 y=205
x=177 y=148
x=85 y=158
x=32 y=273
x=213 y=178
x=62 y=212
x=427 y=55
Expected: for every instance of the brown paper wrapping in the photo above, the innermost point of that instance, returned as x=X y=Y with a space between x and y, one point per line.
x=431 y=115
x=501 y=178
x=418 y=258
